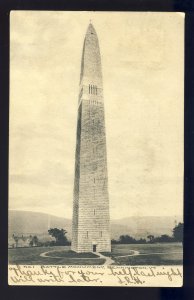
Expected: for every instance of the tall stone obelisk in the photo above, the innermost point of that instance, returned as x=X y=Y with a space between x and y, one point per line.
x=91 y=224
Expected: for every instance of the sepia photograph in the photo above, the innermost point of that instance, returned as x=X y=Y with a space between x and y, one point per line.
x=96 y=148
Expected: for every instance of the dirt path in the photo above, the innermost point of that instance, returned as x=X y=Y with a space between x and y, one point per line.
x=108 y=260
x=135 y=252
x=45 y=254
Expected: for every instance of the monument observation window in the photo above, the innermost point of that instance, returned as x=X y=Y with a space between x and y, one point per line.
x=93 y=89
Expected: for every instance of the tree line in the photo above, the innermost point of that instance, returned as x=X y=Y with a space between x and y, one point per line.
x=177 y=236
x=60 y=238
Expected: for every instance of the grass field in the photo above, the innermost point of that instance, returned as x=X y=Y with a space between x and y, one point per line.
x=31 y=256
x=72 y=254
x=148 y=254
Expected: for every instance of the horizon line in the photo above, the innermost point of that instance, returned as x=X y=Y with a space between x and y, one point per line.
x=130 y=216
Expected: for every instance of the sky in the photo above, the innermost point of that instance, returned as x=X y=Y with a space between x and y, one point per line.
x=142 y=64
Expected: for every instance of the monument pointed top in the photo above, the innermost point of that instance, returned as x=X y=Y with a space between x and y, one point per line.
x=91 y=29
x=91 y=61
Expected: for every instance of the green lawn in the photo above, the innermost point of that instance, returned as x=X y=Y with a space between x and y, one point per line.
x=149 y=254
x=113 y=254
x=72 y=254
x=31 y=256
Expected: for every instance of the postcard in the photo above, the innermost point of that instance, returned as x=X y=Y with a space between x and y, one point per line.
x=96 y=148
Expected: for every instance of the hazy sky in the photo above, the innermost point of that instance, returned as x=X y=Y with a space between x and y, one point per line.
x=142 y=64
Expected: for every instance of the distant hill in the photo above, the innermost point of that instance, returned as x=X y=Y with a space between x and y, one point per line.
x=26 y=222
